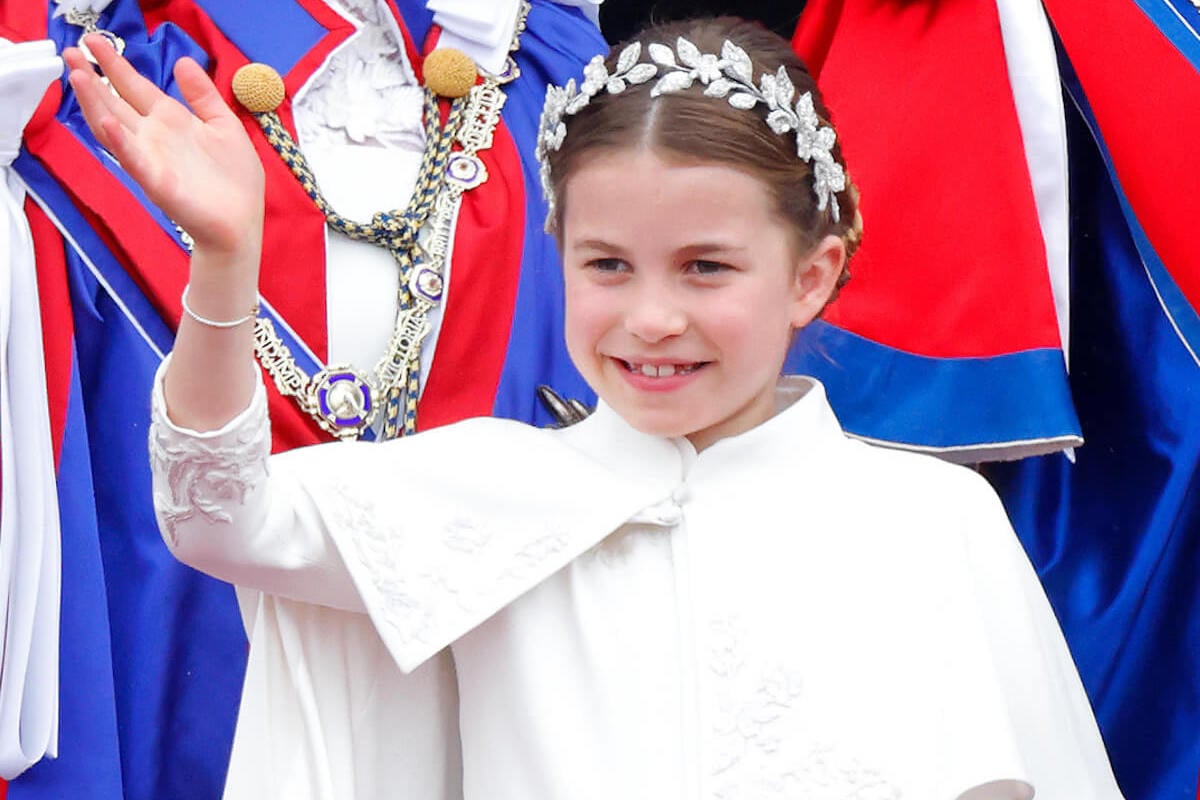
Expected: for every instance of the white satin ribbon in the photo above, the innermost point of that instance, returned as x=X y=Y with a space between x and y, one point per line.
x=30 y=544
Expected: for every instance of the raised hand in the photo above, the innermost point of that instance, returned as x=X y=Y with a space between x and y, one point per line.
x=200 y=167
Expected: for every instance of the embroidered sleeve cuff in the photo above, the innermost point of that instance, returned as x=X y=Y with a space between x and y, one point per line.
x=206 y=477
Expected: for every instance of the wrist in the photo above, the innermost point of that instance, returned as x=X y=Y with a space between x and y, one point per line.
x=223 y=280
x=234 y=236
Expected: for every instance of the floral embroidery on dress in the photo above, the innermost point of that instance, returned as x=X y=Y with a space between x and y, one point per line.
x=465 y=535
x=527 y=560
x=203 y=476
x=428 y=580
x=762 y=744
x=377 y=542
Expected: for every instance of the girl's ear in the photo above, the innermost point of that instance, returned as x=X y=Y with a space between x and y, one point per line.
x=817 y=273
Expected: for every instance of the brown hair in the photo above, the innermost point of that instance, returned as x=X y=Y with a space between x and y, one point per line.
x=695 y=127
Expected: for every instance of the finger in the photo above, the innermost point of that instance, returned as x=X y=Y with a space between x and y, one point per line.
x=89 y=92
x=140 y=93
x=75 y=59
x=97 y=101
x=84 y=74
x=199 y=91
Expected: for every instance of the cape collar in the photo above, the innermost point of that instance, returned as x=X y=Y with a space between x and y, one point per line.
x=467 y=536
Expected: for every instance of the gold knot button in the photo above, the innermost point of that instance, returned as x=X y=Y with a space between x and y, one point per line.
x=258 y=88
x=449 y=72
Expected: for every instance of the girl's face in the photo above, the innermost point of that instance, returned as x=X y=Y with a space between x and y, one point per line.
x=683 y=289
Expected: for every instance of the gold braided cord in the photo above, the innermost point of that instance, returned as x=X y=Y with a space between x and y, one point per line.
x=394 y=230
x=397 y=231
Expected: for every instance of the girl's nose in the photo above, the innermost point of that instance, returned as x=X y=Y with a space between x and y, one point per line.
x=654 y=315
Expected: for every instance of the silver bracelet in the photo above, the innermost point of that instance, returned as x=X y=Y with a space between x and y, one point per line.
x=212 y=323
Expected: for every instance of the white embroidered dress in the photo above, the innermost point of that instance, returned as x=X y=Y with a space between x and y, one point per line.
x=787 y=614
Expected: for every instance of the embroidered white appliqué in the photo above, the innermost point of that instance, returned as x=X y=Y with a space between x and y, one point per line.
x=763 y=746
x=365 y=93
x=426 y=580
x=202 y=476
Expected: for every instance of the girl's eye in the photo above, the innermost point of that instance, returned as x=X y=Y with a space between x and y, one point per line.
x=701 y=267
x=608 y=265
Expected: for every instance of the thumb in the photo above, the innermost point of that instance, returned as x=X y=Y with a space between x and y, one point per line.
x=199 y=92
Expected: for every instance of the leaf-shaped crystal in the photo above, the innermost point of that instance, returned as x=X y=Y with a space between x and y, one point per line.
x=661 y=54
x=784 y=89
x=766 y=86
x=595 y=70
x=595 y=75
x=689 y=54
x=742 y=100
x=556 y=101
x=641 y=73
x=719 y=88
x=805 y=111
x=806 y=147
x=615 y=85
x=548 y=193
x=576 y=104
x=629 y=56
x=836 y=177
x=672 y=82
x=781 y=120
x=553 y=135
x=828 y=178
x=738 y=61
x=825 y=139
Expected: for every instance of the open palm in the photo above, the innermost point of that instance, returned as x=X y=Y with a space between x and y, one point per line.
x=199 y=168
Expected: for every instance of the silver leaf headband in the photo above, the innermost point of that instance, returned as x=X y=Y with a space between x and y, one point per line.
x=729 y=76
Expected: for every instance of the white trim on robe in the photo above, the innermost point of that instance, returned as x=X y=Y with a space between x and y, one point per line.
x=1033 y=73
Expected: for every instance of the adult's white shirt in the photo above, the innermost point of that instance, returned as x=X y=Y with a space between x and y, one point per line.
x=789 y=613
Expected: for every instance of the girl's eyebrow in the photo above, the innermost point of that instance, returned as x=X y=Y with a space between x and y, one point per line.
x=689 y=251
x=596 y=244
x=708 y=248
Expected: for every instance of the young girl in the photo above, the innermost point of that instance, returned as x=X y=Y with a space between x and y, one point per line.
x=703 y=590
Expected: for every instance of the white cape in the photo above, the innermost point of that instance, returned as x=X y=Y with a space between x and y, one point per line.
x=597 y=613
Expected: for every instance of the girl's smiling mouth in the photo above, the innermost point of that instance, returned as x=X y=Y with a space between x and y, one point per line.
x=665 y=370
